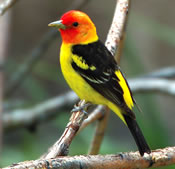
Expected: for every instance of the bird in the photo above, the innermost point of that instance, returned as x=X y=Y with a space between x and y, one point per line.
x=92 y=72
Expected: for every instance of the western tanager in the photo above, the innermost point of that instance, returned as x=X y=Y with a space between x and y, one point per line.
x=91 y=71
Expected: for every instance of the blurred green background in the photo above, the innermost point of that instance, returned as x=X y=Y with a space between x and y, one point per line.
x=149 y=46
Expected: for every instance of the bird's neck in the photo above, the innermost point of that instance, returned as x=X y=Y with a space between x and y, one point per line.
x=74 y=38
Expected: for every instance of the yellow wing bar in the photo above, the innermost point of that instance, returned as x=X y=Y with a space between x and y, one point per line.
x=126 y=92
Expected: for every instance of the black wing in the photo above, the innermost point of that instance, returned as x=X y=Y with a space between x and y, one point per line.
x=103 y=78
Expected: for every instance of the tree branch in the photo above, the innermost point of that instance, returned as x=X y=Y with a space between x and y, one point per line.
x=132 y=160
x=115 y=34
x=61 y=147
x=153 y=85
x=168 y=72
x=99 y=133
x=98 y=113
x=126 y=159
x=39 y=113
x=44 y=111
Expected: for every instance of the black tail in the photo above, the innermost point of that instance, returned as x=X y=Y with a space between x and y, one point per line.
x=137 y=134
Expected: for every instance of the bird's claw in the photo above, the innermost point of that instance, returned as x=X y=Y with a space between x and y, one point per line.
x=83 y=108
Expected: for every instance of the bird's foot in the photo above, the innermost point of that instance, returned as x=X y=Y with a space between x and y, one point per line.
x=81 y=106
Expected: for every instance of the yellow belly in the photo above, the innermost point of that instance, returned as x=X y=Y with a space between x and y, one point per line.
x=79 y=85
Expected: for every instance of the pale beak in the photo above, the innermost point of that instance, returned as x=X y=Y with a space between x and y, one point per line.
x=57 y=24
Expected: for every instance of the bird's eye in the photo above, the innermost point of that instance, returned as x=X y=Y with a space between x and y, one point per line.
x=75 y=24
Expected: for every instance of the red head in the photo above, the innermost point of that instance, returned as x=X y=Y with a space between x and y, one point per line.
x=76 y=28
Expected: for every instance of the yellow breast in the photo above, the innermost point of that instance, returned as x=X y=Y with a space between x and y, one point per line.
x=74 y=80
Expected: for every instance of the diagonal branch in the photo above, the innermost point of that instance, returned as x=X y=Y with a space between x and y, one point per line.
x=132 y=160
x=18 y=77
x=92 y=117
x=61 y=147
x=4 y=6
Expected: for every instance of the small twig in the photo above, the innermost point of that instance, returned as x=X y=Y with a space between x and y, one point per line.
x=168 y=72
x=153 y=85
x=4 y=6
x=98 y=113
x=99 y=133
x=132 y=160
x=38 y=113
x=60 y=148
